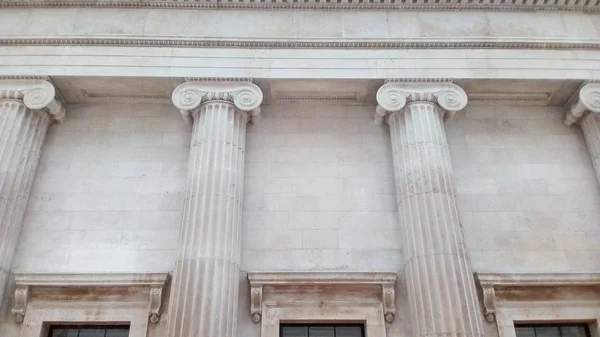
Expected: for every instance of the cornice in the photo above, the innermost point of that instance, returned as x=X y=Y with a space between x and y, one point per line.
x=491 y=283
x=421 y=43
x=420 y=5
x=272 y=281
x=156 y=282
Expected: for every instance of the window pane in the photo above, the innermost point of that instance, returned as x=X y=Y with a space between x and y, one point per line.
x=294 y=331
x=92 y=332
x=525 y=331
x=117 y=333
x=348 y=331
x=321 y=331
x=547 y=331
x=65 y=332
x=573 y=331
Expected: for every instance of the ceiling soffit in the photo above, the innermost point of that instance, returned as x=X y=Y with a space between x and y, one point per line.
x=451 y=5
x=312 y=91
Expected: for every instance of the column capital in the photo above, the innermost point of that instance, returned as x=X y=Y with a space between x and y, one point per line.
x=246 y=96
x=588 y=101
x=394 y=96
x=35 y=94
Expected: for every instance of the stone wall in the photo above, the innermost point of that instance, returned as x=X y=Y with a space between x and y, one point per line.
x=318 y=191
x=529 y=199
x=108 y=192
x=318 y=194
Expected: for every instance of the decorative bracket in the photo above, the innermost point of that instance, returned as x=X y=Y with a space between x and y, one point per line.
x=21 y=301
x=256 y=302
x=154 y=309
x=280 y=281
x=489 y=302
x=394 y=96
x=388 y=296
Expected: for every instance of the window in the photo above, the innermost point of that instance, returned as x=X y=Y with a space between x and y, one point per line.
x=322 y=330
x=552 y=330
x=89 y=331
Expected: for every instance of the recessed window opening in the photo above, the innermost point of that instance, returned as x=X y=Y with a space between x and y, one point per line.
x=552 y=330
x=322 y=330
x=88 y=331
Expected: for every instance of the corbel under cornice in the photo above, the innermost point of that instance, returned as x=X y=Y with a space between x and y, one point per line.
x=156 y=282
x=491 y=283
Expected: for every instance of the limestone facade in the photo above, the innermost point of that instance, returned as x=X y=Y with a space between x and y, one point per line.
x=220 y=168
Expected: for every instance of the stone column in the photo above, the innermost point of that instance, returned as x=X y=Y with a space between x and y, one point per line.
x=585 y=111
x=440 y=282
x=204 y=295
x=27 y=108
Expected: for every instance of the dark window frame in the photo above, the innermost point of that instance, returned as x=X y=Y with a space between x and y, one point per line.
x=585 y=326
x=334 y=325
x=80 y=327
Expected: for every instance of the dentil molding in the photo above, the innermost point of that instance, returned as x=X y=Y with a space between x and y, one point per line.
x=66 y=283
x=36 y=94
x=420 y=43
x=452 y=5
x=529 y=287
x=277 y=282
x=394 y=96
x=246 y=96
x=586 y=101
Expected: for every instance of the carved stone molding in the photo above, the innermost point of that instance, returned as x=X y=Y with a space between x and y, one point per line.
x=454 y=5
x=65 y=283
x=36 y=94
x=246 y=97
x=272 y=282
x=587 y=100
x=421 y=43
x=528 y=288
x=394 y=96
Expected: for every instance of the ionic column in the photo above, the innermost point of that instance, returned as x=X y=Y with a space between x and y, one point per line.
x=27 y=108
x=204 y=294
x=585 y=111
x=439 y=279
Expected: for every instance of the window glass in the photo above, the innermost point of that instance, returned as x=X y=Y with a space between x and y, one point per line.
x=322 y=330
x=88 y=331
x=552 y=330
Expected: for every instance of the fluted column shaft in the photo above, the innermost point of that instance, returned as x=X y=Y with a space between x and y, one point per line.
x=206 y=279
x=586 y=111
x=22 y=132
x=439 y=279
